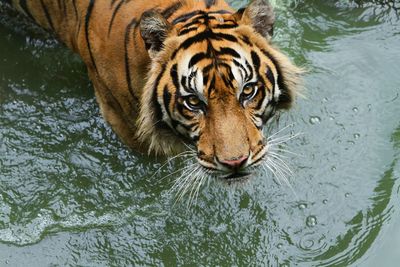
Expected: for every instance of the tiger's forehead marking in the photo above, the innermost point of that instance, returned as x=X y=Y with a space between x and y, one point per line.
x=233 y=66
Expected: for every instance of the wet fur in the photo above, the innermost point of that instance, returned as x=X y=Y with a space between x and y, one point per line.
x=126 y=44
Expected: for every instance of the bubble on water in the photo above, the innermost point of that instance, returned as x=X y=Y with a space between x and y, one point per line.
x=331 y=118
x=284 y=265
x=333 y=168
x=302 y=206
x=356 y=135
x=369 y=107
x=315 y=119
x=355 y=109
x=311 y=221
x=347 y=194
x=351 y=142
x=325 y=201
x=325 y=99
x=279 y=246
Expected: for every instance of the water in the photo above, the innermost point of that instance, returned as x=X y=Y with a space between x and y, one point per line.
x=72 y=194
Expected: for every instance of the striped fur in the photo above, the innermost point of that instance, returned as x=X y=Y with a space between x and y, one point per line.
x=169 y=73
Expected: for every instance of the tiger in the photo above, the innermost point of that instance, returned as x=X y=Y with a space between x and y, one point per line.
x=170 y=75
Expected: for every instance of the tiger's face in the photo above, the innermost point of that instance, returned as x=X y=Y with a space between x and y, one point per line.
x=215 y=82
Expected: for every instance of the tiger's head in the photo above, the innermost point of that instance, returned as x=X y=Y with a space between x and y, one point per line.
x=215 y=81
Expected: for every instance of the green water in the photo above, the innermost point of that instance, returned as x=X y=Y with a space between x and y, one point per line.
x=72 y=194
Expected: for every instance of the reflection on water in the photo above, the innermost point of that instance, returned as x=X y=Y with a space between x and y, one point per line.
x=72 y=194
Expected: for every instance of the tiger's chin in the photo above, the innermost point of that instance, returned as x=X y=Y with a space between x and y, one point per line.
x=231 y=177
x=238 y=177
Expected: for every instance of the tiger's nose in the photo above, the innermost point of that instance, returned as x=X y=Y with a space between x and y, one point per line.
x=234 y=163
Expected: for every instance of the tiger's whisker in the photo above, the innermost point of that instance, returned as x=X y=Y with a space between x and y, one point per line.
x=281 y=130
x=180 y=155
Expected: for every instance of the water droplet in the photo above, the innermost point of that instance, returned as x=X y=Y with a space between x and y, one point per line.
x=311 y=221
x=302 y=206
x=355 y=109
x=315 y=119
x=356 y=135
x=284 y=265
x=325 y=99
x=333 y=168
x=325 y=201
x=331 y=118
x=279 y=246
x=347 y=195
x=369 y=107
x=351 y=142
x=7 y=261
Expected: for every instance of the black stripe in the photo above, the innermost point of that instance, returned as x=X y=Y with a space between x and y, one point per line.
x=207 y=69
x=195 y=22
x=211 y=87
x=256 y=61
x=257 y=65
x=225 y=26
x=251 y=73
x=271 y=79
x=46 y=13
x=209 y=3
x=169 y=11
x=181 y=109
x=197 y=58
x=62 y=7
x=186 y=16
x=75 y=9
x=285 y=96
x=186 y=31
x=183 y=84
x=156 y=105
x=87 y=20
x=24 y=6
x=204 y=36
x=174 y=77
x=246 y=40
x=243 y=72
x=167 y=100
x=262 y=91
x=127 y=70
x=220 y=12
x=205 y=79
x=195 y=138
x=113 y=16
x=229 y=51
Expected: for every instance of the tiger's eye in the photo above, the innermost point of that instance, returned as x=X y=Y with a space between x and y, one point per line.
x=193 y=101
x=248 y=89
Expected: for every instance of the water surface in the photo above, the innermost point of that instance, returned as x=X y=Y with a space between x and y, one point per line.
x=72 y=194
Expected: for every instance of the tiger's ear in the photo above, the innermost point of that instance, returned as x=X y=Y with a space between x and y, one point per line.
x=154 y=29
x=260 y=15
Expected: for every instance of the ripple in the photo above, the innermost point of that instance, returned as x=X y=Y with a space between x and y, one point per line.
x=45 y=223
